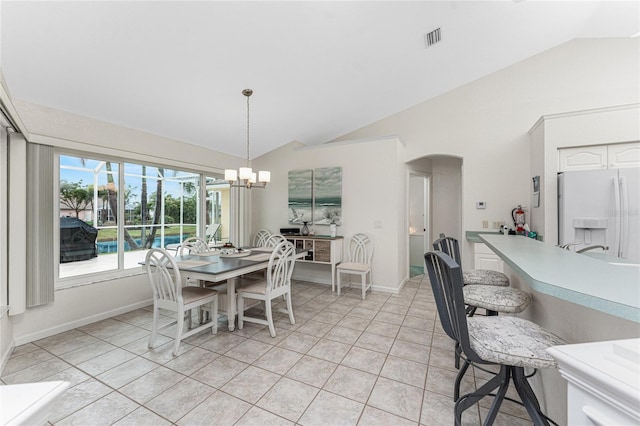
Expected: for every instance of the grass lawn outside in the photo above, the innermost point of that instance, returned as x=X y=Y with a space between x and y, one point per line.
x=111 y=234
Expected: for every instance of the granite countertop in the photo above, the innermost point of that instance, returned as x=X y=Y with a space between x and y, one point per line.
x=603 y=285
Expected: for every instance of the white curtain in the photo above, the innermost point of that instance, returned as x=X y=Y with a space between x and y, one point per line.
x=40 y=225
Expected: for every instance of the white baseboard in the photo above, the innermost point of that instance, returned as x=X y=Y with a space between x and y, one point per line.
x=47 y=332
x=385 y=289
x=6 y=355
x=404 y=281
x=312 y=279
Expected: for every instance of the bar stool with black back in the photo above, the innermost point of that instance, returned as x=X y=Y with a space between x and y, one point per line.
x=451 y=246
x=491 y=294
x=493 y=299
x=277 y=283
x=511 y=343
x=168 y=293
x=360 y=252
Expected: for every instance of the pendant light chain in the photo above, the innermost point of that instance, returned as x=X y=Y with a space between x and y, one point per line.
x=248 y=96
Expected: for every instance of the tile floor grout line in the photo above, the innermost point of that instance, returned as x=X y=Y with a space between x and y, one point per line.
x=403 y=311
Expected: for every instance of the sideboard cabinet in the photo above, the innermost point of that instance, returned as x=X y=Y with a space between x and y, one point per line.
x=323 y=250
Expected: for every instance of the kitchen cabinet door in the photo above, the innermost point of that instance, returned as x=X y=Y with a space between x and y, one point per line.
x=623 y=155
x=582 y=158
x=484 y=258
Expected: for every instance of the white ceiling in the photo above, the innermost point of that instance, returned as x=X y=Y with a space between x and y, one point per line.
x=318 y=69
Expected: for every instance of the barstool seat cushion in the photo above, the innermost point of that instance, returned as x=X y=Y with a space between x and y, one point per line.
x=485 y=277
x=512 y=341
x=506 y=300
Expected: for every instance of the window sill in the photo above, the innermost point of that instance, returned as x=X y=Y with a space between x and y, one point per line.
x=84 y=280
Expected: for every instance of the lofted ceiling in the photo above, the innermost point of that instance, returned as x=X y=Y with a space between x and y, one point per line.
x=318 y=69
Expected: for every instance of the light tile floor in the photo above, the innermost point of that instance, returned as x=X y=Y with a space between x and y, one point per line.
x=383 y=361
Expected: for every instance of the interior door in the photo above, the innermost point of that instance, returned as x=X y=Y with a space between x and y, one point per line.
x=418 y=222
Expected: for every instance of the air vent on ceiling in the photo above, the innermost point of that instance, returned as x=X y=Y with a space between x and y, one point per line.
x=432 y=37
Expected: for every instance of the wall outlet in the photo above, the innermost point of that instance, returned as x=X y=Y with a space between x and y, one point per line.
x=497 y=225
x=481 y=205
x=377 y=224
x=485 y=224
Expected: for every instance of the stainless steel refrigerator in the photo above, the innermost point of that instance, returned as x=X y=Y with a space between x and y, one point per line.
x=601 y=207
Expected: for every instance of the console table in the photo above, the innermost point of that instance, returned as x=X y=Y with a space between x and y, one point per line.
x=323 y=250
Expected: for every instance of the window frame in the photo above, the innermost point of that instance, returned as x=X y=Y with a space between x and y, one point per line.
x=62 y=283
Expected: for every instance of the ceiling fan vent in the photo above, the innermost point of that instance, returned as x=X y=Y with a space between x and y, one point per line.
x=432 y=37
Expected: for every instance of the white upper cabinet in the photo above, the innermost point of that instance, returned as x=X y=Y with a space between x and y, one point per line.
x=624 y=155
x=594 y=157
x=583 y=158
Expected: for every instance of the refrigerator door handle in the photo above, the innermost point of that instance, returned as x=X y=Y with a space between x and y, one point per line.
x=624 y=217
x=615 y=248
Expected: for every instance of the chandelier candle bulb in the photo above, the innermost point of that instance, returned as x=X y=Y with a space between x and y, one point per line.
x=264 y=176
x=230 y=175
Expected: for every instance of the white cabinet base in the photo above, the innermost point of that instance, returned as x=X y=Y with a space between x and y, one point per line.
x=603 y=382
x=485 y=258
x=30 y=403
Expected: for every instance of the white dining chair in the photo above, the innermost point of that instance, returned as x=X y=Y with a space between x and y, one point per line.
x=274 y=240
x=196 y=245
x=193 y=245
x=261 y=237
x=168 y=293
x=277 y=283
x=360 y=253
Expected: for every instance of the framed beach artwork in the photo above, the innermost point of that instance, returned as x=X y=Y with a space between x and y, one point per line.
x=301 y=196
x=327 y=195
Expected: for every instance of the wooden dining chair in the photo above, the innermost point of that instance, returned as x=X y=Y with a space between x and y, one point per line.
x=197 y=245
x=277 y=283
x=193 y=245
x=261 y=237
x=360 y=252
x=274 y=240
x=168 y=293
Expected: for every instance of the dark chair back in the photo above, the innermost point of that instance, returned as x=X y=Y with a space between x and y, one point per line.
x=448 y=245
x=445 y=276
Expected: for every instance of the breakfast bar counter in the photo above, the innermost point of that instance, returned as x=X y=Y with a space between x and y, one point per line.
x=579 y=297
x=612 y=287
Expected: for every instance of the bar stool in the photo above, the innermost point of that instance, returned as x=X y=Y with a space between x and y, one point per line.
x=491 y=295
x=493 y=299
x=450 y=246
x=512 y=343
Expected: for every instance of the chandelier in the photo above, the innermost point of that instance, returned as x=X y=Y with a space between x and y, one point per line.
x=245 y=177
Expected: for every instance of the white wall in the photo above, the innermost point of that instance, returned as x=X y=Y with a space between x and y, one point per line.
x=88 y=303
x=373 y=189
x=486 y=122
x=446 y=197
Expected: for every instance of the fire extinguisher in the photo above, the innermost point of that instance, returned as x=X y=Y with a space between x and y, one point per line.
x=518 y=219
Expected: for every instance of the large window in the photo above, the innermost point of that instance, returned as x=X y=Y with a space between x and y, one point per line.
x=112 y=212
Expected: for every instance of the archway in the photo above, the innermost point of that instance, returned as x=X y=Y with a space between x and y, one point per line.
x=441 y=207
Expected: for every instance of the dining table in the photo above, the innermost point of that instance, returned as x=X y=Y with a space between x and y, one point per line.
x=217 y=267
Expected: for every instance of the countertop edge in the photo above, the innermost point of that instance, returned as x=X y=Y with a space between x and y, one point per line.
x=607 y=306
